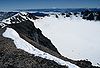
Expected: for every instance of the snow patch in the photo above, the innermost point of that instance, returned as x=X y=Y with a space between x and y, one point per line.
x=2 y=25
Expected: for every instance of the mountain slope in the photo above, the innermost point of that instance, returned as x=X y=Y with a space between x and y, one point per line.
x=24 y=45
x=11 y=57
x=27 y=28
x=21 y=27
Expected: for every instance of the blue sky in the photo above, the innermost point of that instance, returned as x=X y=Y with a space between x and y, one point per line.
x=33 y=4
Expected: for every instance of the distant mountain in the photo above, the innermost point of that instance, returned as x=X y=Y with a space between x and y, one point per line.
x=61 y=10
x=4 y=15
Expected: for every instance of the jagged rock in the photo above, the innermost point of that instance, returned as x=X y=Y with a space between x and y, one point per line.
x=56 y=16
x=85 y=64
x=62 y=13
x=67 y=15
x=90 y=15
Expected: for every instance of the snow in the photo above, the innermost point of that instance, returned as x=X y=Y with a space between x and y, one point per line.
x=24 y=45
x=2 y=25
x=74 y=37
x=7 y=21
x=22 y=14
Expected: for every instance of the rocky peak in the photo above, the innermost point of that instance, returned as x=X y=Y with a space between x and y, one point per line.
x=19 y=17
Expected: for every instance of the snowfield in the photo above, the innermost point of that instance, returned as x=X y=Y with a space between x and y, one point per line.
x=24 y=45
x=74 y=37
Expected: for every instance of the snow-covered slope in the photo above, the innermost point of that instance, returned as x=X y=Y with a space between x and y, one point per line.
x=73 y=36
x=22 y=44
